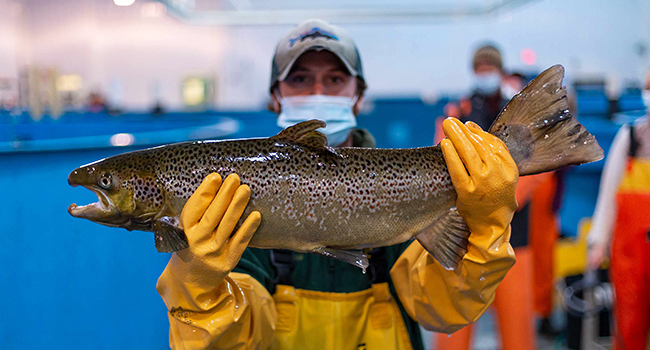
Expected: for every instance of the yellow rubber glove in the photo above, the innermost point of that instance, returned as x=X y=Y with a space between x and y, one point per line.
x=208 y=222
x=208 y=307
x=485 y=177
x=483 y=173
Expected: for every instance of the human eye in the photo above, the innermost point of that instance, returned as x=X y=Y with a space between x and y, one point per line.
x=338 y=79
x=298 y=79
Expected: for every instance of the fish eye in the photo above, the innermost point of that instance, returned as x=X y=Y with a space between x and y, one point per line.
x=105 y=181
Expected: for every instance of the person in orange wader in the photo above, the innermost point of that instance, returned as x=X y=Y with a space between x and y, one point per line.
x=543 y=235
x=514 y=296
x=623 y=208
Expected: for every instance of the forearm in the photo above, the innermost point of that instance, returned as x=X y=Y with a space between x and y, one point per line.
x=445 y=301
x=485 y=178
x=237 y=313
x=605 y=212
x=209 y=306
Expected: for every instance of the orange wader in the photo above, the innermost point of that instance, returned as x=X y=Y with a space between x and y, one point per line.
x=543 y=235
x=630 y=269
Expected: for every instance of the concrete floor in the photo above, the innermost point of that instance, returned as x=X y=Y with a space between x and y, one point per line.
x=486 y=338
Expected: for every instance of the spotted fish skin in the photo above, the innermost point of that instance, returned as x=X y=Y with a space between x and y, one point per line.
x=354 y=198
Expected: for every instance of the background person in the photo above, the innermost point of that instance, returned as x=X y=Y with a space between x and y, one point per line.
x=487 y=100
x=221 y=294
x=621 y=227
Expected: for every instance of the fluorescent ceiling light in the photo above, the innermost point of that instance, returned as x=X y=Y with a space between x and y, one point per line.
x=123 y=2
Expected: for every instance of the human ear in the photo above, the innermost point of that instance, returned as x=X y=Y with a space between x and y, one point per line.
x=274 y=105
x=356 y=109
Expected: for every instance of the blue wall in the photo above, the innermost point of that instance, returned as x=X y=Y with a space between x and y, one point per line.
x=71 y=283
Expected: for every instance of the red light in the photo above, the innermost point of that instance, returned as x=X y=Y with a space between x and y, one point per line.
x=528 y=56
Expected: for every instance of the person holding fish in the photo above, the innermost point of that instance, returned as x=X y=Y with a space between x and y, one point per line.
x=220 y=292
x=430 y=226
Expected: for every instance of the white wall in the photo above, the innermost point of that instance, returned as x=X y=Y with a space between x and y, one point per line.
x=126 y=55
x=115 y=49
x=586 y=36
x=9 y=45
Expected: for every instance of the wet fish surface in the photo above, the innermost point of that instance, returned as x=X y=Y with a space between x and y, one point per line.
x=328 y=201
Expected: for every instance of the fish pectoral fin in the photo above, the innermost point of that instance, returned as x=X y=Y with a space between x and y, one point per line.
x=354 y=257
x=446 y=239
x=169 y=236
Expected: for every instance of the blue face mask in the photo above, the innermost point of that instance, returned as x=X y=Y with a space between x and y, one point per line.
x=487 y=84
x=335 y=111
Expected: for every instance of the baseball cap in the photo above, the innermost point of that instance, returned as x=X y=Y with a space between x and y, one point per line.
x=314 y=34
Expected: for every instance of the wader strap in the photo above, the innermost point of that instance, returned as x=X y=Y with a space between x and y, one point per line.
x=634 y=144
x=378 y=266
x=283 y=264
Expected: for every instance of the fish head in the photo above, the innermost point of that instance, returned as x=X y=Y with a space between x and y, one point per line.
x=129 y=195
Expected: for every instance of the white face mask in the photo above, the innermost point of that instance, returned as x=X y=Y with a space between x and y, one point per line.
x=645 y=94
x=335 y=111
x=487 y=84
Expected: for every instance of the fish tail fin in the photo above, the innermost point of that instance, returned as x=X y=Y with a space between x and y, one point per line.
x=539 y=131
x=447 y=239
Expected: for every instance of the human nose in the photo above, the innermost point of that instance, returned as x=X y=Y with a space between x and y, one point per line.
x=318 y=88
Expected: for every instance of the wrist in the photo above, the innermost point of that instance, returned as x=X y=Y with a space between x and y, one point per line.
x=189 y=283
x=488 y=223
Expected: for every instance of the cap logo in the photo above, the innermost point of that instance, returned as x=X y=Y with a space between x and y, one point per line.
x=314 y=33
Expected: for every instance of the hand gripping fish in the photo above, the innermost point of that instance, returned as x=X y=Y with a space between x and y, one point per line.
x=333 y=202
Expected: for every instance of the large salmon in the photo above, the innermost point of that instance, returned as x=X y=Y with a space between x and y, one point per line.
x=331 y=201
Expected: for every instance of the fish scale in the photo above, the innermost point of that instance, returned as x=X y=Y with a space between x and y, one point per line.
x=313 y=198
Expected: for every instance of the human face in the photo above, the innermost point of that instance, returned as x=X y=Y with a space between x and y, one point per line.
x=318 y=73
x=487 y=80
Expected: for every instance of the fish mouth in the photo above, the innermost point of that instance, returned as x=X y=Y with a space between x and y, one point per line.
x=101 y=211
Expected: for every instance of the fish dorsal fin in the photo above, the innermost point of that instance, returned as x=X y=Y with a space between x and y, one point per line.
x=304 y=134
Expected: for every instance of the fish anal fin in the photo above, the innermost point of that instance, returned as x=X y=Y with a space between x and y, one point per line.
x=169 y=236
x=304 y=134
x=446 y=240
x=353 y=257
